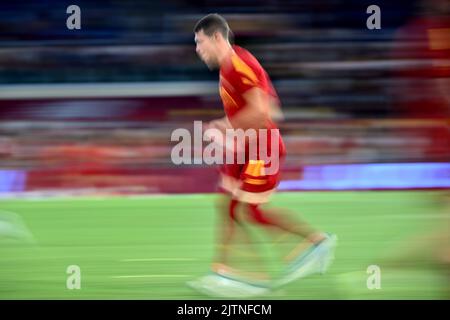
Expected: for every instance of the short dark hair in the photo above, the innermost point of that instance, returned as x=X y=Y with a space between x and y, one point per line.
x=212 y=23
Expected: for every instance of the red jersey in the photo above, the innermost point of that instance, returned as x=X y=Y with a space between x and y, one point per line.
x=242 y=72
x=238 y=74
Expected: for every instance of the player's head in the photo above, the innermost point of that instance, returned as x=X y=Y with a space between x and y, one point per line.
x=211 y=37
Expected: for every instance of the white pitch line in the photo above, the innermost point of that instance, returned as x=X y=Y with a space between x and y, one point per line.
x=158 y=259
x=153 y=276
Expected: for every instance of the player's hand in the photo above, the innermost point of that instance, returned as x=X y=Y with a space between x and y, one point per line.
x=220 y=124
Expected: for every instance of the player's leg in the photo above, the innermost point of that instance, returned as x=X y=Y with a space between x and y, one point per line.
x=281 y=220
x=226 y=212
x=311 y=256
x=235 y=245
x=318 y=251
x=226 y=280
x=256 y=188
x=226 y=209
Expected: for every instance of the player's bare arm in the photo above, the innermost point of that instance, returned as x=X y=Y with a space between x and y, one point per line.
x=221 y=124
x=255 y=115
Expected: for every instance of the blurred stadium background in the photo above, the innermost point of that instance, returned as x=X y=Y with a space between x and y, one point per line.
x=86 y=118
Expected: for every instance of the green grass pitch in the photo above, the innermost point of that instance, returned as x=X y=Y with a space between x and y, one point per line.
x=148 y=247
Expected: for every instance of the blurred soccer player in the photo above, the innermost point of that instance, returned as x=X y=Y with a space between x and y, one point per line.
x=250 y=102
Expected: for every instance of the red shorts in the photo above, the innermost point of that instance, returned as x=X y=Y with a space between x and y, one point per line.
x=255 y=180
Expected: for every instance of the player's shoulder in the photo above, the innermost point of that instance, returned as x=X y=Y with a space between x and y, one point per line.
x=246 y=56
x=244 y=64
